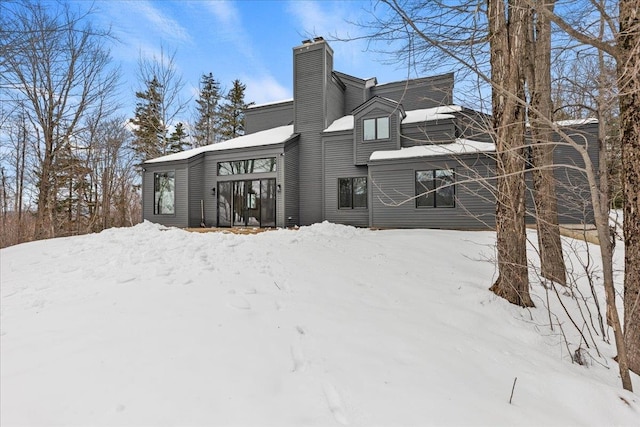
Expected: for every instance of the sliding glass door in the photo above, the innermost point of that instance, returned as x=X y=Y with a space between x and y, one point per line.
x=248 y=203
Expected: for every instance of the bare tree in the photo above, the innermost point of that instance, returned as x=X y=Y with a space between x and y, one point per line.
x=56 y=65
x=538 y=77
x=450 y=30
x=507 y=37
x=625 y=49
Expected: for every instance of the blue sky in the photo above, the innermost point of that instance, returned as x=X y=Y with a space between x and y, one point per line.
x=248 y=40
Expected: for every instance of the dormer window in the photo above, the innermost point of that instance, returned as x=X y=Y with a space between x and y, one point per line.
x=377 y=128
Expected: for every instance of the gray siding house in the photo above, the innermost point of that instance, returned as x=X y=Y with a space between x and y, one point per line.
x=351 y=151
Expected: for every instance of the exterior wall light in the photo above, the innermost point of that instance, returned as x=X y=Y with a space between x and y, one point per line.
x=213 y=191
x=279 y=187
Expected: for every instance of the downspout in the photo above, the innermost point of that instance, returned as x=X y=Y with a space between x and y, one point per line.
x=202 y=224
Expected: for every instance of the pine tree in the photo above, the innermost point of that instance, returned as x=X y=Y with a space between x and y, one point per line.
x=149 y=131
x=232 y=112
x=177 y=139
x=206 y=128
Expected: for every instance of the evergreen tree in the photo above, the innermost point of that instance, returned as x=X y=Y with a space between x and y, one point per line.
x=206 y=128
x=177 y=139
x=149 y=131
x=232 y=112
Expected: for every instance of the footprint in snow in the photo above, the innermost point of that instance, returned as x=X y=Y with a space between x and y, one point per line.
x=239 y=303
x=334 y=402
x=297 y=356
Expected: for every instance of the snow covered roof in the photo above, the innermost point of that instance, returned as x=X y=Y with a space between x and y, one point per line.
x=284 y=101
x=266 y=137
x=460 y=146
x=343 y=123
x=576 y=122
x=412 y=116
x=435 y=113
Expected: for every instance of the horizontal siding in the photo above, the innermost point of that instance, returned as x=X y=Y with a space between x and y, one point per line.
x=393 y=192
x=574 y=196
x=572 y=186
x=419 y=93
x=196 y=191
x=431 y=132
x=354 y=96
x=335 y=101
x=338 y=163
x=363 y=149
x=310 y=77
x=181 y=216
x=211 y=178
x=291 y=189
x=474 y=125
x=268 y=116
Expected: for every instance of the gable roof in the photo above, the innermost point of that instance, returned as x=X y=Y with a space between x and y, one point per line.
x=411 y=116
x=379 y=100
x=272 y=136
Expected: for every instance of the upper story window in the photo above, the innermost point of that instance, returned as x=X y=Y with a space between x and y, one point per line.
x=377 y=128
x=164 y=184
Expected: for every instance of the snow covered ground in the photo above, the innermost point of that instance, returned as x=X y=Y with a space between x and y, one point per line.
x=324 y=326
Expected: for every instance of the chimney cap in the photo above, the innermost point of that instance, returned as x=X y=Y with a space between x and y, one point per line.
x=314 y=40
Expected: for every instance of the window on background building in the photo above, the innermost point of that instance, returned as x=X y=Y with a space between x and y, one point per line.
x=164 y=196
x=435 y=189
x=352 y=193
x=375 y=128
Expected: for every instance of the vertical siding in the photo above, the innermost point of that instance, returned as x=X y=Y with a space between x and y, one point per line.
x=363 y=149
x=338 y=163
x=419 y=93
x=196 y=191
x=393 y=189
x=181 y=216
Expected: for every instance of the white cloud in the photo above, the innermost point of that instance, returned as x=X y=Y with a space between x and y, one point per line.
x=225 y=12
x=261 y=89
x=162 y=23
x=332 y=20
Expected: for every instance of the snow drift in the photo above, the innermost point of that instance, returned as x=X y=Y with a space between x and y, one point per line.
x=325 y=325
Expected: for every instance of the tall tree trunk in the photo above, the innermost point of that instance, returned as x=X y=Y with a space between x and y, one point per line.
x=541 y=115
x=44 y=213
x=507 y=34
x=628 y=65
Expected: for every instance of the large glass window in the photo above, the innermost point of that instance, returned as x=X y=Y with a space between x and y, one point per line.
x=375 y=128
x=352 y=193
x=164 y=184
x=247 y=203
x=435 y=188
x=247 y=166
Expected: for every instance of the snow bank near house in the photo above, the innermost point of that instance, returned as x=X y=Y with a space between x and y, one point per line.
x=326 y=325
